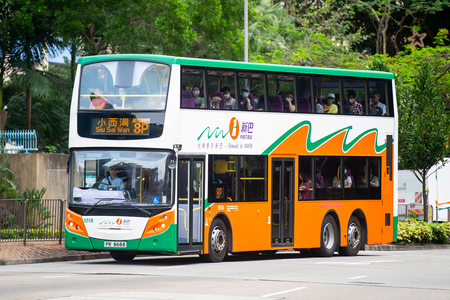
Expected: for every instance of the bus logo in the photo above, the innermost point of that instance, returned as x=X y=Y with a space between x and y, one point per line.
x=119 y=221
x=234 y=128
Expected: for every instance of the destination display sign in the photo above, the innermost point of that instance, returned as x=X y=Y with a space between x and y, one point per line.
x=120 y=126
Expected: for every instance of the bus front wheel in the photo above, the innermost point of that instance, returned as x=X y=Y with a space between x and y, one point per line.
x=218 y=241
x=122 y=255
x=354 y=238
x=329 y=237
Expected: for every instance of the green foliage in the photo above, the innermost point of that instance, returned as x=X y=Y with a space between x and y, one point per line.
x=332 y=18
x=378 y=63
x=50 y=113
x=391 y=19
x=33 y=194
x=37 y=212
x=441 y=37
x=275 y=37
x=6 y=218
x=6 y=177
x=423 y=126
x=17 y=233
x=414 y=232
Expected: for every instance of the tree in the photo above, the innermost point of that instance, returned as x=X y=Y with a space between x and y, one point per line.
x=51 y=107
x=28 y=37
x=218 y=29
x=404 y=65
x=276 y=38
x=424 y=129
x=390 y=18
x=333 y=18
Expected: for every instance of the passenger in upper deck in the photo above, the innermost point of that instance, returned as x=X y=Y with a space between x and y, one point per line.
x=378 y=108
x=199 y=102
x=230 y=101
x=330 y=107
x=355 y=107
x=257 y=98
x=215 y=101
x=97 y=102
x=246 y=103
x=289 y=104
x=319 y=107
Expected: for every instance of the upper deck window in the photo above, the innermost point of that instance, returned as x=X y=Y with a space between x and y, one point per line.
x=129 y=85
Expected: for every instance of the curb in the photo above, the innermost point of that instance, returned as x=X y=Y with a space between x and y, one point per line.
x=391 y=247
x=34 y=260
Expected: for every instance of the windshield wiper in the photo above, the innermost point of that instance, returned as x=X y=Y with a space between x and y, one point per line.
x=98 y=202
x=138 y=208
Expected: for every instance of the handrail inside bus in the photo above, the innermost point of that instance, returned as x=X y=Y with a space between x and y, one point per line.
x=185 y=226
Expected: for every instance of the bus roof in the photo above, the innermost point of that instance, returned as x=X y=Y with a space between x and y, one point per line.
x=196 y=62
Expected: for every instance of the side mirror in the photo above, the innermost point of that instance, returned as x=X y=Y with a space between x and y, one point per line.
x=172 y=161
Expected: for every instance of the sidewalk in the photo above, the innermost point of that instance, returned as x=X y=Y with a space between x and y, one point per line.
x=13 y=253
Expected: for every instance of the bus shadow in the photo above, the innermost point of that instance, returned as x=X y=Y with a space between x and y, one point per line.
x=174 y=261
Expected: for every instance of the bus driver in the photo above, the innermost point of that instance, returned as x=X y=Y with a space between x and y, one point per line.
x=111 y=180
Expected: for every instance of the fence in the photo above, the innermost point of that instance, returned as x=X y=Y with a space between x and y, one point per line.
x=410 y=210
x=13 y=141
x=41 y=220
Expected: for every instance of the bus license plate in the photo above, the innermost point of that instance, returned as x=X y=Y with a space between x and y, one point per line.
x=116 y=244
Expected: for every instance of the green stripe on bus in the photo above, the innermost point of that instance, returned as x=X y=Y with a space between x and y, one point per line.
x=311 y=146
x=76 y=242
x=282 y=68
x=165 y=242
x=143 y=57
x=195 y=62
x=395 y=228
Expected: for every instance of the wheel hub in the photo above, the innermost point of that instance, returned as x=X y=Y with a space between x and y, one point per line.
x=328 y=236
x=218 y=240
x=354 y=236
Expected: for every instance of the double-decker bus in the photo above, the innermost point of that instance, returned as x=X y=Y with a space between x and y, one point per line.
x=172 y=155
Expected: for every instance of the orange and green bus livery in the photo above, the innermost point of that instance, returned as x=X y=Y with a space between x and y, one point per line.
x=174 y=166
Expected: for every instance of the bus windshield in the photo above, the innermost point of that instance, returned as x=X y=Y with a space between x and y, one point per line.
x=129 y=85
x=111 y=176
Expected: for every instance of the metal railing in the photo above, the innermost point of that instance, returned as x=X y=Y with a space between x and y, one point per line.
x=413 y=210
x=12 y=141
x=25 y=219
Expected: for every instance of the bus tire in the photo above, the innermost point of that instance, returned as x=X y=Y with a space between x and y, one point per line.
x=328 y=237
x=122 y=255
x=354 y=238
x=218 y=241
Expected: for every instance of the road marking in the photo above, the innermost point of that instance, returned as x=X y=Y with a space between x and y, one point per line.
x=355 y=263
x=358 y=277
x=284 y=292
x=172 y=267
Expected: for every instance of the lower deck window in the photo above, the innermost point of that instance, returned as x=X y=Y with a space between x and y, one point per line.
x=238 y=178
x=339 y=178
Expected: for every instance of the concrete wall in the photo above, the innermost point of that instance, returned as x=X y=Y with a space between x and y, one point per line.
x=38 y=170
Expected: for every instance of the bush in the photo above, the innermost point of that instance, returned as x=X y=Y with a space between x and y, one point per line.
x=17 y=234
x=414 y=232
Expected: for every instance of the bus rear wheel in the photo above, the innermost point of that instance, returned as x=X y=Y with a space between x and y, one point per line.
x=122 y=255
x=328 y=237
x=218 y=241
x=354 y=238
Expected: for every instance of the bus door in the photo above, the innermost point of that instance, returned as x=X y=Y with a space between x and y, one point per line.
x=283 y=201
x=191 y=189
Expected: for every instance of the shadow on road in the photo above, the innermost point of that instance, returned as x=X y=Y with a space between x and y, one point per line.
x=173 y=260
